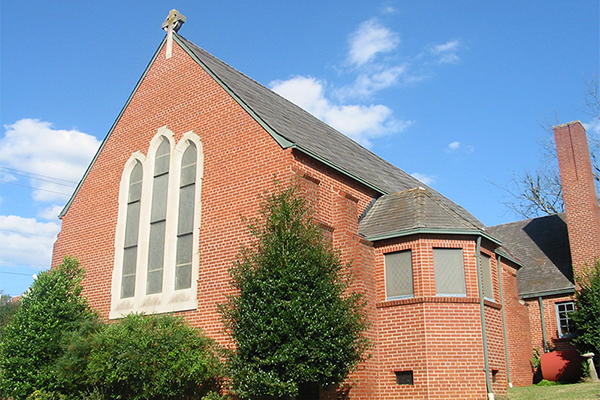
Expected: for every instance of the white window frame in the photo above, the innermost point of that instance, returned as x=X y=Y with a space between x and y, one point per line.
x=568 y=319
x=169 y=299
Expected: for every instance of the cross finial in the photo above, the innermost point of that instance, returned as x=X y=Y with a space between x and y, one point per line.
x=173 y=23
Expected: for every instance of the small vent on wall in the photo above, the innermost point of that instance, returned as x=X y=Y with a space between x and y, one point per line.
x=494 y=375
x=404 y=377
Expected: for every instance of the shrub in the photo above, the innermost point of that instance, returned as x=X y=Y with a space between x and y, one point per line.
x=293 y=320
x=143 y=357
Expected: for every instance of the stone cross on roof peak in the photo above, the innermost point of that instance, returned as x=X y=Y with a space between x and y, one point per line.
x=173 y=23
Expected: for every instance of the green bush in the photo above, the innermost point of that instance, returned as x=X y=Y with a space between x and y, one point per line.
x=587 y=310
x=293 y=320
x=32 y=341
x=142 y=357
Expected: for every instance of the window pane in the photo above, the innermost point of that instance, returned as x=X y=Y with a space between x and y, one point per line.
x=132 y=224
x=183 y=277
x=129 y=260
x=186 y=209
x=398 y=275
x=449 y=272
x=486 y=270
x=128 y=286
x=156 y=257
x=154 y=284
x=188 y=166
x=135 y=183
x=184 y=249
x=128 y=275
x=161 y=162
x=159 y=198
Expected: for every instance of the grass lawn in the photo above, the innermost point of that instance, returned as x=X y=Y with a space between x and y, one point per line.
x=576 y=391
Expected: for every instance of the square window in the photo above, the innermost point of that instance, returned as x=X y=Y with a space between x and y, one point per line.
x=398 y=275
x=449 y=272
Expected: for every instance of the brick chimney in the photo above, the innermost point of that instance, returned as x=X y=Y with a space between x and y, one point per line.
x=579 y=194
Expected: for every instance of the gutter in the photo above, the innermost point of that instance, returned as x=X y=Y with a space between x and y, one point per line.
x=543 y=320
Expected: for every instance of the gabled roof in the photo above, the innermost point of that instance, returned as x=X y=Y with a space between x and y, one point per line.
x=293 y=127
x=542 y=244
x=416 y=210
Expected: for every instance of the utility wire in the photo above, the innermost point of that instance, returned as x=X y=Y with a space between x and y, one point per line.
x=29 y=234
x=31 y=173
x=31 y=187
x=71 y=185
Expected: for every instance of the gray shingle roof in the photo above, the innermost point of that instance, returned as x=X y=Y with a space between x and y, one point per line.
x=301 y=130
x=412 y=210
x=542 y=244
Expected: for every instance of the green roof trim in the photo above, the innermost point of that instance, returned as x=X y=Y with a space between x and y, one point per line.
x=434 y=231
x=548 y=293
x=110 y=131
x=510 y=258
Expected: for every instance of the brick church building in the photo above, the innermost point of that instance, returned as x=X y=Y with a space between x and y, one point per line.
x=156 y=223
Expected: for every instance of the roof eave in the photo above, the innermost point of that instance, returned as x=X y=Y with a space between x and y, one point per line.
x=547 y=293
x=433 y=231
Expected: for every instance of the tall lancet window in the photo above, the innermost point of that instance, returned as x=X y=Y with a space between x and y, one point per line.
x=185 y=225
x=132 y=226
x=158 y=216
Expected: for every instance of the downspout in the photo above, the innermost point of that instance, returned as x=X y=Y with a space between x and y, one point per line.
x=498 y=261
x=486 y=360
x=541 y=303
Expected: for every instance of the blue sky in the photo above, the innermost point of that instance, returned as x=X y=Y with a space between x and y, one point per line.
x=452 y=92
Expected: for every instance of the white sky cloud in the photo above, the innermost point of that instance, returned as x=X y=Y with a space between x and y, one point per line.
x=454 y=145
x=37 y=147
x=26 y=241
x=370 y=39
x=445 y=53
x=593 y=127
x=360 y=122
x=50 y=213
x=426 y=179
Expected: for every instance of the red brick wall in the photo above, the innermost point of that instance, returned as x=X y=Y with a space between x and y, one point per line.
x=553 y=341
x=517 y=328
x=579 y=194
x=438 y=338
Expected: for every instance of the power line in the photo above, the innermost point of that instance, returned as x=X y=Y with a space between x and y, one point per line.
x=43 y=176
x=31 y=187
x=26 y=233
x=71 y=185
x=15 y=273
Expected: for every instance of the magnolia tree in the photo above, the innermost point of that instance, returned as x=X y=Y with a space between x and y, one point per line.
x=295 y=323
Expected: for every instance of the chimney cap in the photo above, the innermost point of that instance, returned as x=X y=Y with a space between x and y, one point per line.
x=576 y=122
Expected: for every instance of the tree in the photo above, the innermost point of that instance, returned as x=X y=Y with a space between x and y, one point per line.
x=141 y=357
x=295 y=323
x=587 y=309
x=32 y=342
x=533 y=194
